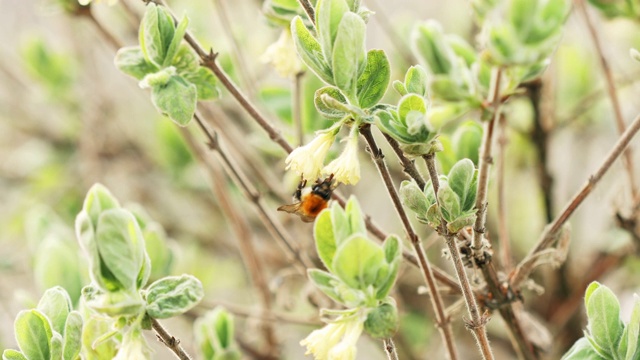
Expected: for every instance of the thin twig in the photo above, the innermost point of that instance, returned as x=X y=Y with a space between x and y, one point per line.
x=107 y=35
x=390 y=349
x=408 y=165
x=477 y=322
x=548 y=236
x=484 y=160
x=240 y=227
x=444 y=325
x=308 y=8
x=169 y=341
x=613 y=95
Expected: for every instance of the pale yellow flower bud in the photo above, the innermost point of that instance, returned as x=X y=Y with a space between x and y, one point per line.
x=346 y=168
x=282 y=55
x=307 y=160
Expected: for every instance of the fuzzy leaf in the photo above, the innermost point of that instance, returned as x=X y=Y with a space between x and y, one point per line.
x=55 y=304
x=326 y=282
x=176 y=99
x=156 y=34
x=72 y=336
x=373 y=83
x=10 y=354
x=603 y=311
x=324 y=238
x=329 y=14
x=33 y=334
x=354 y=215
x=415 y=80
x=581 y=350
x=462 y=180
x=205 y=82
x=328 y=109
x=349 y=54
x=131 y=61
x=173 y=295
x=357 y=261
x=176 y=40
x=310 y=51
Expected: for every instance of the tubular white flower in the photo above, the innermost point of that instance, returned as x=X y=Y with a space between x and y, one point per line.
x=307 y=160
x=282 y=55
x=346 y=167
x=335 y=341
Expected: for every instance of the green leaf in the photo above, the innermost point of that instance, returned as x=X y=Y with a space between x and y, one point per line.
x=56 y=346
x=326 y=282
x=72 y=336
x=449 y=203
x=581 y=350
x=392 y=248
x=415 y=80
x=373 y=83
x=185 y=60
x=177 y=100
x=633 y=332
x=340 y=222
x=354 y=215
x=399 y=87
x=121 y=247
x=461 y=221
x=325 y=240
x=462 y=180
x=33 y=334
x=10 y=354
x=382 y=321
x=603 y=311
x=349 y=54
x=357 y=261
x=467 y=139
x=156 y=34
x=414 y=198
x=98 y=199
x=327 y=109
x=173 y=295
x=131 y=61
x=329 y=14
x=411 y=102
x=430 y=44
x=55 y=304
x=205 y=82
x=174 y=45
x=310 y=51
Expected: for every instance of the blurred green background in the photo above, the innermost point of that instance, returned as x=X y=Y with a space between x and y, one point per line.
x=69 y=118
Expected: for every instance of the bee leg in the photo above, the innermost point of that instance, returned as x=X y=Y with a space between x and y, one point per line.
x=298 y=194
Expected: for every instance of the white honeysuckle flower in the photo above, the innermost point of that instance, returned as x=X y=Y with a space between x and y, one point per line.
x=307 y=160
x=336 y=341
x=346 y=167
x=282 y=55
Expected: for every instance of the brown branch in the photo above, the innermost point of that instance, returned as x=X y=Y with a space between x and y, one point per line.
x=308 y=8
x=549 y=235
x=390 y=349
x=613 y=95
x=408 y=165
x=169 y=341
x=484 y=160
x=477 y=323
x=444 y=325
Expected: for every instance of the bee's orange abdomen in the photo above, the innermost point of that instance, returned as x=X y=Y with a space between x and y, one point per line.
x=312 y=205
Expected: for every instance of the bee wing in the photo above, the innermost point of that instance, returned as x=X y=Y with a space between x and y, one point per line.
x=295 y=209
x=290 y=208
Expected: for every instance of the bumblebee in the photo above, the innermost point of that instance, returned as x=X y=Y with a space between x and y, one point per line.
x=309 y=202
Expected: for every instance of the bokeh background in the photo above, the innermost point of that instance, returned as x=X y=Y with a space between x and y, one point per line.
x=69 y=118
